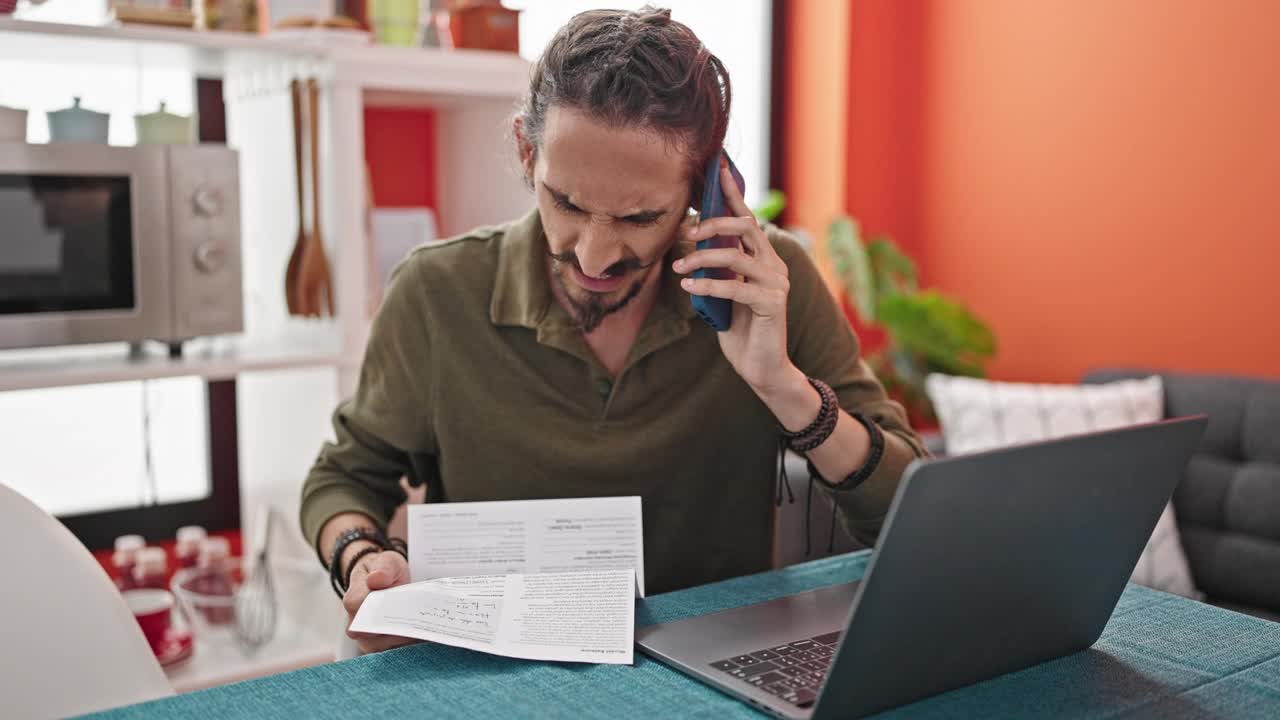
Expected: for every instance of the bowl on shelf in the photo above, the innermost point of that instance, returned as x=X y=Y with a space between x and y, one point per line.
x=208 y=603
x=301 y=588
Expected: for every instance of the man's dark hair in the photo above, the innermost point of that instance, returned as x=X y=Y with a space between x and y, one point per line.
x=636 y=69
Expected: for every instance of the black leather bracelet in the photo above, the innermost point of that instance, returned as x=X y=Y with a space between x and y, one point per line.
x=857 y=477
x=340 y=545
x=825 y=409
x=346 y=577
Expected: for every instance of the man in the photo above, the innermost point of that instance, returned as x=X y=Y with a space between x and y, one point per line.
x=559 y=355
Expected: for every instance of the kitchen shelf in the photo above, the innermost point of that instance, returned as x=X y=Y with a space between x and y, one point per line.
x=307 y=344
x=394 y=76
x=134 y=45
x=389 y=75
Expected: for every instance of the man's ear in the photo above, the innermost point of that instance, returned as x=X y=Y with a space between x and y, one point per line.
x=524 y=148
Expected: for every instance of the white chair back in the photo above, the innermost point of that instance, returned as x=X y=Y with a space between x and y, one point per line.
x=71 y=645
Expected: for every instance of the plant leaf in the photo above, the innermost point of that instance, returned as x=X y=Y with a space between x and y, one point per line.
x=947 y=336
x=772 y=206
x=844 y=246
x=894 y=271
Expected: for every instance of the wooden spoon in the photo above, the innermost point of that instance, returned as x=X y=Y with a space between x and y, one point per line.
x=315 y=291
x=295 y=257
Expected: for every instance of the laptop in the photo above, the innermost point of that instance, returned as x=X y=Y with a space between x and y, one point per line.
x=987 y=563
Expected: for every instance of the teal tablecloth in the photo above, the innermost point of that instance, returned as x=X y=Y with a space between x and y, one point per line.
x=1160 y=656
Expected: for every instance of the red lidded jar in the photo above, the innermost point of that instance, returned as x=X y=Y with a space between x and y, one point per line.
x=124 y=558
x=152 y=569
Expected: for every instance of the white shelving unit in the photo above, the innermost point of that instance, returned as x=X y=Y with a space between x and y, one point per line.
x=284 y=416
x=211 y=358
x=473 y=92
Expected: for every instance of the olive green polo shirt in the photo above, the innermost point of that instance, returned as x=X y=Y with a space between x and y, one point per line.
x=476 y=382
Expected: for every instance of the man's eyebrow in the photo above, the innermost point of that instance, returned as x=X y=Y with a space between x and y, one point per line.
x=559 y=196
x=645 y=216
x=640 y=216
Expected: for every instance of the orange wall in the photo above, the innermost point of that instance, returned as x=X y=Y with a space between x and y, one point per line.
x=1100 y=180
x=814 y=98
x=884 y=95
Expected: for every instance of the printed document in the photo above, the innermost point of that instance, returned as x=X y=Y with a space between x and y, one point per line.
x=535 y=579
x=571 y=617
x=526 y=536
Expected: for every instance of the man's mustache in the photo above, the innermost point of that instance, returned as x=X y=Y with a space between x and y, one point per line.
x=622 y=266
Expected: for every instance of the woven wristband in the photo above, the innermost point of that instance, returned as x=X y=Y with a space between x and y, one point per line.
x=817 y=422
x=825 y=424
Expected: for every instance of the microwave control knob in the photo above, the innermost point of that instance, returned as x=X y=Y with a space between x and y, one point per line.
x=210 y=256
x=207 y=201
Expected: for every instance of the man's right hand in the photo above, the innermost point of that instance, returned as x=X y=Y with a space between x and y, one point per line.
x=376 y=571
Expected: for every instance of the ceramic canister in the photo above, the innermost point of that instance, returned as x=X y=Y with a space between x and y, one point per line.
x=13 y=124
x=77 y=124
x=163 y=128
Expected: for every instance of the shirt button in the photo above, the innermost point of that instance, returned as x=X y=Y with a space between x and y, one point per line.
x=604 y=386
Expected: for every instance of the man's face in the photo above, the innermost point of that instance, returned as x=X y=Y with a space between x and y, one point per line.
x=611 y=201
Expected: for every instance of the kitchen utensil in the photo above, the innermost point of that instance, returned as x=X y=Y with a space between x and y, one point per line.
x=315 y=289
x=13 y=124
x=163 y=128
x=373 y=289
x=255 y=603
x=300 y=243
x=78 y=124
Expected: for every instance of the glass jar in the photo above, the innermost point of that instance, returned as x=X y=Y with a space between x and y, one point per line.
x=214 y=577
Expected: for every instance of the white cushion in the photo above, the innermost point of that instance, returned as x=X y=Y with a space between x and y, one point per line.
x=982 y=414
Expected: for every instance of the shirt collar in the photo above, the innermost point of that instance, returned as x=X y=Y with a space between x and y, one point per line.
x=521 y=290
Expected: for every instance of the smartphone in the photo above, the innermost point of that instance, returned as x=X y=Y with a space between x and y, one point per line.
x=717 y=312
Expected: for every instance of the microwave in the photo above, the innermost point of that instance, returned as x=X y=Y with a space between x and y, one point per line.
x=118 y=244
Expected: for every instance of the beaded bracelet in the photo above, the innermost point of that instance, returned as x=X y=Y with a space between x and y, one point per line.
x=373 y=535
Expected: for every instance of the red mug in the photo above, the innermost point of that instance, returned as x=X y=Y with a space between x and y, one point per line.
x=151 y=608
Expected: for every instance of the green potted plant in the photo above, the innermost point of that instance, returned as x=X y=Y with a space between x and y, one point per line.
x=925 y=330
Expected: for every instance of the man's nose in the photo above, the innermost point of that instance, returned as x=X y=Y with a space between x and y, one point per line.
x=598 y=247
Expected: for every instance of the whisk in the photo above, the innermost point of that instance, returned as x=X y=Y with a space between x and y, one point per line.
x=255 y=602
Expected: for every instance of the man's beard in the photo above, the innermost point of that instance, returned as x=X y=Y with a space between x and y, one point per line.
x=591 y=310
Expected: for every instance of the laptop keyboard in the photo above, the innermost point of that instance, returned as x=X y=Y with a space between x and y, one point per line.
x=793 y=672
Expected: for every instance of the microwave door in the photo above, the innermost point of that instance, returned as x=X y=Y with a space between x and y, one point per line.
x=68 y=244
x=78 y=231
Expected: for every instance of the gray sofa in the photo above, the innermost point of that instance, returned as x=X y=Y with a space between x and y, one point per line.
x=1228 y=504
